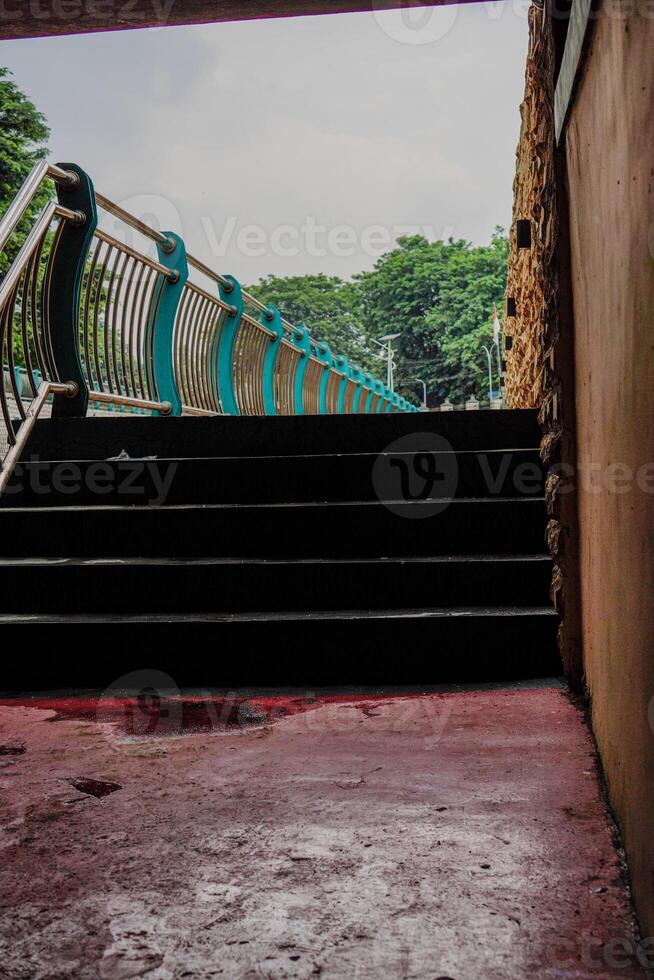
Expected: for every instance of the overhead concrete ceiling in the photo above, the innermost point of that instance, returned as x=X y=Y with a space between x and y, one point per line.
x=42 y=18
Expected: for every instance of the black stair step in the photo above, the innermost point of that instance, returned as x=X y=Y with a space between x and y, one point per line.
x=99 y=438
x=158 y=586
x=354 y=530
x=277 y=479
x=423 y=646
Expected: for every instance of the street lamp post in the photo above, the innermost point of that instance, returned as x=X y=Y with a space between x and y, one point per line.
x=489 y=358
x=389 y=357
x=490 y=371
x=424 y=388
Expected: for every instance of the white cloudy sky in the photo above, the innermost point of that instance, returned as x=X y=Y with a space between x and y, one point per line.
x=297 y=127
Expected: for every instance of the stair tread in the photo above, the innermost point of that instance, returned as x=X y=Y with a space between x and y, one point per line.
x=282 y=435
x=238 y=562
x=451 y=612
x=441 y=501
x=212 y=460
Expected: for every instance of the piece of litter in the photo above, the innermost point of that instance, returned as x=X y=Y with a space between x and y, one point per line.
x=123 y=455
x=94 y=787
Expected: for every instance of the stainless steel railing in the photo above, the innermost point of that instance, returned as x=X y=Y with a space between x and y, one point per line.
x=25 y=331
x=120 y=295
x=224 y=357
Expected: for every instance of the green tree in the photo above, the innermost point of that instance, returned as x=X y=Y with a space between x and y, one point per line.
x=328 y=306
x=439 y=297
x=23 y=137
x=462 y=321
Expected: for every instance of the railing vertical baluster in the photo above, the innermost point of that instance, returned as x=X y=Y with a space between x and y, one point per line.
x=342 y=366
x=232 y=294
x=356 y=375
x=302 y=340
x=272 y=320
x=324 y=355
x=173 y=256
x=369 y=384
x=62 y=299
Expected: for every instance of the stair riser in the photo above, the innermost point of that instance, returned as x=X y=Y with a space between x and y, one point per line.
x=307 y=654
x=274 y=480
x=331 y=531
x=142 y=588
x=98 y=438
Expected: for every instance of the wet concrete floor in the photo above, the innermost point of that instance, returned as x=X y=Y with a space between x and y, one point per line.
x=453 y=833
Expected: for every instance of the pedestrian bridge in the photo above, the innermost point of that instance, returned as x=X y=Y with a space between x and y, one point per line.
x=304 y=507
x=131 y=321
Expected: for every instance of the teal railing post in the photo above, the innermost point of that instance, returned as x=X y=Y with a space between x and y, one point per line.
x=271 y=320
x=66 y=273
x=342 y=366
x=324 y=355
x=223 y=353
x=356 y=375
x=369 y=385
x=396 y=403
x=380 y=389
x=302 y=341
x=172 y=255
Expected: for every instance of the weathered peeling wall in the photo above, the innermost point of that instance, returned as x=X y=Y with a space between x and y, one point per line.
x=532 y=200
x=610 y=167
x=539 y=363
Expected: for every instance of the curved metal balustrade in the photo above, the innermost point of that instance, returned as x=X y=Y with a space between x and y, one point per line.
x=89 y=317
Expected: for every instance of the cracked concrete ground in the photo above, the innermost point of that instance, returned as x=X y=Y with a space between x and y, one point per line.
x=451 y=834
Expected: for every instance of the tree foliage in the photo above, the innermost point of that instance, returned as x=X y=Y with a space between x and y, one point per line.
x=329 y=307
x=439 y=296
x=23 y=137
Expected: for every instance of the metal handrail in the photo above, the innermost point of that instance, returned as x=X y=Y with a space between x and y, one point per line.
x=136 y=332
x=28 y=191
x=249 y=352
x=14 y=273
x=25 y=300
x=45 y=390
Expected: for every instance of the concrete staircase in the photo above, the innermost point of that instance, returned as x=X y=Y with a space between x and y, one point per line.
x=294 y=538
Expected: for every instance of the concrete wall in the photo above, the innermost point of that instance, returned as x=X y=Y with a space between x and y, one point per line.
x=610 y=163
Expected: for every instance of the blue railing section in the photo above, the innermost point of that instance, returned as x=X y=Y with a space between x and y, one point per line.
x=128 y=319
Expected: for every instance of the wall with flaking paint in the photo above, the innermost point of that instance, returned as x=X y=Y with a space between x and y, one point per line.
x=610 y=169
x=533 y=200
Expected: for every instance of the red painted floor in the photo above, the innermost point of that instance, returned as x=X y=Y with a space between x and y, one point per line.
x=455 y=834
